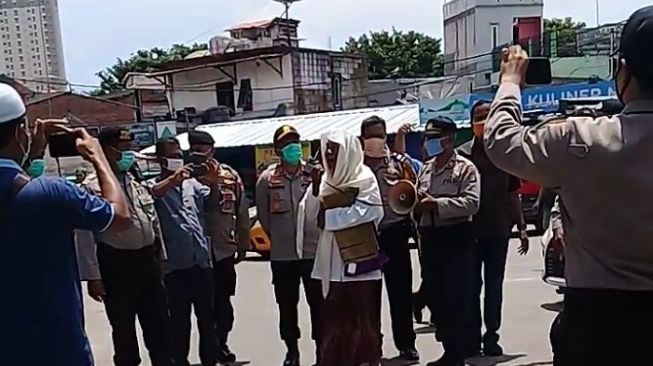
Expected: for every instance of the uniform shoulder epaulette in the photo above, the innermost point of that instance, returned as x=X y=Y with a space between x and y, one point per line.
x=229 y=170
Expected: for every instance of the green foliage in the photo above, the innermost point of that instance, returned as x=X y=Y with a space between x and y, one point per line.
x=141 y=61
x=565 y=31
x=562 y=25
x=399 y=54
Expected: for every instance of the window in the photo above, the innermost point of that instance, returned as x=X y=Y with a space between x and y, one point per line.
x=17 y=28
x=21 y=58
x=336 y=86
x=15 y=12
x=494 y=35
x=20 y=43
x=245 y=95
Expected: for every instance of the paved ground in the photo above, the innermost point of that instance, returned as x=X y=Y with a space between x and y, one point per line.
x=256 y=340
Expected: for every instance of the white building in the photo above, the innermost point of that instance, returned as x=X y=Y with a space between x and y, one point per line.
x=32 y=49
x=474 y=28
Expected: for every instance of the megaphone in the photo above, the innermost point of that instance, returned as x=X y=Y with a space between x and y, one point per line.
x=402 y=197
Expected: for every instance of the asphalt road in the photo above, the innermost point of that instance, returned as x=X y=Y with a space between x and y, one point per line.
x=255 y=339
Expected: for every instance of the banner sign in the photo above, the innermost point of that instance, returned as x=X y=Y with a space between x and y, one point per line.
x=166 y=130
x=265 y=156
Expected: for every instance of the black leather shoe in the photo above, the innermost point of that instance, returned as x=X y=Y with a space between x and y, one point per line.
x=492 y=350
x=446 y=361
x=292 y=359
x=409 y=354
x=225 y=354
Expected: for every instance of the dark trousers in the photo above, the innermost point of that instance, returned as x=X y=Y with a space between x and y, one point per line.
x=224 y=272
x=191 y=288
x=398 y=274
x=489 y=264
x=446 y=254
x=605 y=327
x=286 y=278
x=134 y=287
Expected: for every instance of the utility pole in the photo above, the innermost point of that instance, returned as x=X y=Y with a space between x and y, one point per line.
x=598 y=18
x=287 y=4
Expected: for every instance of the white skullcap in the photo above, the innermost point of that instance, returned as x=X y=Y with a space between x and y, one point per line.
x=11 y=104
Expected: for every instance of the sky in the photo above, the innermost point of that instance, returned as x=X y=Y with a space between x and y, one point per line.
x=97 y=32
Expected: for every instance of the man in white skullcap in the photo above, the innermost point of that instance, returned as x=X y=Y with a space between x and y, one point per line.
x=42 y=315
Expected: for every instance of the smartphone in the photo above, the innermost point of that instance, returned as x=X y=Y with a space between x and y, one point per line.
x=539 y=71
x=198 y=161
x=62 y=145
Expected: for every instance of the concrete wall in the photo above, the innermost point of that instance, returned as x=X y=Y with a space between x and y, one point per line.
x=197 y=88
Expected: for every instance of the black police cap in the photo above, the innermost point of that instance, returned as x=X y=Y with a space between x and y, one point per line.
x=200 y=138
x=115 y=135
x=636 y=44
x=439 y=126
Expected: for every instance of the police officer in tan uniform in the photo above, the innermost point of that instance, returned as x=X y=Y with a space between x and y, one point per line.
x=394 y=232
x=128 y=275
x=449 y=190
x=227 y=223
x=279 y=190
x=602 y=170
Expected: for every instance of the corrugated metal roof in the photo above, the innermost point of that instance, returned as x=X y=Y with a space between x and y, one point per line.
x=309 y=126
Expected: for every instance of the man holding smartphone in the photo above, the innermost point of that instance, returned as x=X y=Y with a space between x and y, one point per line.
x=129 y=264
x=38 y=266
x=227 y=224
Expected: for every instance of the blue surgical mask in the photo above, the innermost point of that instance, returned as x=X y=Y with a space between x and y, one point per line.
x=36 y=168
x=126 y=161
x=434 y=147
x=292 y=153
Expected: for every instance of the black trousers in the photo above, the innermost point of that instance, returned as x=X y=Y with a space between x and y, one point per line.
x=134 y=287
x=224 y=273
x=398 y=273
x=446 y=254
x=286 y=278
x=191 y=288
x=605 y=328
x=489 y=264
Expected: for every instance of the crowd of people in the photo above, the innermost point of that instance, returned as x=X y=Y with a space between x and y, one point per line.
x=156 y=250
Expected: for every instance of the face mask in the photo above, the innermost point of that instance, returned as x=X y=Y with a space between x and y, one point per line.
x=174 y=165
x=477 y=128
x=126 y=161
x=434 y=147
x=36 y=168
x=26 y=150
x=375 y=147
x=292 y=153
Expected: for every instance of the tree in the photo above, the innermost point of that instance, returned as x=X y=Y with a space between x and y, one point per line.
x=562 y=25
x=399 y=54
x=141 y=61
x=565 y=31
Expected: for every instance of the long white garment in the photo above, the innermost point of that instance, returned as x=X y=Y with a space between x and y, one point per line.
x=349 y=172
x=309 y=208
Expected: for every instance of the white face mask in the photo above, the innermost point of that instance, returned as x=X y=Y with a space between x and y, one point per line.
x=174 y=164
x=26 y=150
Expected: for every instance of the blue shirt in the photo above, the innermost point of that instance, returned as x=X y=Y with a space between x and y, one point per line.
x=41 y=314
x=181 y=216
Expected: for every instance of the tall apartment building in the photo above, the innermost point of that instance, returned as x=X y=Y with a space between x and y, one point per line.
x=31 y=47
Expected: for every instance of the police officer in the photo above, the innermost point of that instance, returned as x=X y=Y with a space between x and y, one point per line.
x=279 y=191
x=129 y=264
x=601 y=169
x=38 y=270
x=500 y=209
x=449 y=190
x=227 y=223
x=394 y=232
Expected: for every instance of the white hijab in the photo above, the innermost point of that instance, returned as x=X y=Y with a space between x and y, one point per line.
x=349 y=172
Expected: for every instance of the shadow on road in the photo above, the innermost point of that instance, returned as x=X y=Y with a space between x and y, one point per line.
x=539 y=363
x=555 y=307
x=397 y=362
x=491 y=361
x=237 y=363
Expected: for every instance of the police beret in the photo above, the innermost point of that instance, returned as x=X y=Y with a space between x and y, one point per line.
x=114 y=135
x=200 y=138
x=284 y=131
x=440 y=126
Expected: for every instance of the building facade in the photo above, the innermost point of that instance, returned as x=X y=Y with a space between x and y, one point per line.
x=32 y=48
x=473 y=29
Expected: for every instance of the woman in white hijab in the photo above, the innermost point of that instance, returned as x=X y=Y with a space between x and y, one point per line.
x=352 y=307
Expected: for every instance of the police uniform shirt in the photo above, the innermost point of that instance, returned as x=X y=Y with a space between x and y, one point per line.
x=602 y=170
x=227 y=215
x=456 y=188
x=388 y=172
x=277 y=199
